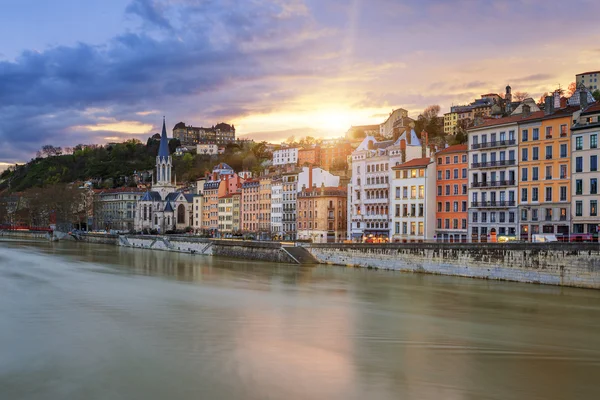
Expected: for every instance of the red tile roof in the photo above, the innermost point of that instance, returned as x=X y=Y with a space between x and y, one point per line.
x=417 y=162
x=594 y=107
x=509 y=120
x=457 y=148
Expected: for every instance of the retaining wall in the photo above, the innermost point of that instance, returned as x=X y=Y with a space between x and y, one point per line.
x=564 y=264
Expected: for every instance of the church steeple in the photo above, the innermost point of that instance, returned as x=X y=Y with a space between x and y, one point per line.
x=163 y=160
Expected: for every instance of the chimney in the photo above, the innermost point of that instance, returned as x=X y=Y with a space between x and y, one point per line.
x=323 y=189
x=408 y=136
x=526 y=110
x=548 y=105
x=583 y=100
x=403 y=150
x=556 y=95
x=424 y=143
x=310 y=172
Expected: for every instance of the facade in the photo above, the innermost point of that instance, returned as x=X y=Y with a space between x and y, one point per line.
x=115 y=209
x=335 y=157
x=310 y=156
x=210 y=208
x=585 y=173
x=322 y=214
x=237 y=212
x=289 y=183
x=386 y=129
x=163 y=208
x=452 y=194
x=250 y=206
x=209 y=149
x=450 y=123
x=277 y=207
x=412 y=205
x=371 y=162
x=219 y=134
x=285 y=156
x=264 y=211
x=545 y=171
x=589 y=80
x=493 y=179
x=198 y=210
x=226 y=215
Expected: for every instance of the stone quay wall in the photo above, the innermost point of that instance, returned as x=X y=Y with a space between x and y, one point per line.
x=260 y=251
x=563 y=264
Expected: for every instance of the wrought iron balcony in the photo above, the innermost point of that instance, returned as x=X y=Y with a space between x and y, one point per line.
x=495 y=143
x=498 y=183
x=504 y=203
x=493 y=164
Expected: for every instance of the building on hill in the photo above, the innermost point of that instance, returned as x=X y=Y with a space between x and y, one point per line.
x=359 y=132
x=397 y=120
x=163 y=208
x=285 y=156
x=335 y=157
x=322 y=214
x=219 y=134
x=588 y=79
x=310 y=156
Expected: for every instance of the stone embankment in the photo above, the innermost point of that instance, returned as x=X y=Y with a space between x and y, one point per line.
x=563 y=264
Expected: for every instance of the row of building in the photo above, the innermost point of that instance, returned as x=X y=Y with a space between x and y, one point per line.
x=529 y=172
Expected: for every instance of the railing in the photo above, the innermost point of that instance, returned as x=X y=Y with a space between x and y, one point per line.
x=548 y=218
x=493 y=183
x=492 y=164
x=495 y=143
x=509 y=203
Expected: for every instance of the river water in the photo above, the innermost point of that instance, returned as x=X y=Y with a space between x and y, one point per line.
x=82 y=321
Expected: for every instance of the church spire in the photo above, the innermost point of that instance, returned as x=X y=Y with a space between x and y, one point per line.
x=163 y=150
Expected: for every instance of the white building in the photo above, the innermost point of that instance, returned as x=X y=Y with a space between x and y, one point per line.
x=289 y=183
x=585 y=195
x=413 y=201
x=277 y=207
x=207 y=149
x=286 y=155
x=311 y=177
x=493 y=178
x=368 y=191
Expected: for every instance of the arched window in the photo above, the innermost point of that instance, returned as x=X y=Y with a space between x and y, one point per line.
x=181 y=214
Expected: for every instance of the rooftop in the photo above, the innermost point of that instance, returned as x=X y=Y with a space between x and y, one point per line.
x=417 y=162
x=457 y=148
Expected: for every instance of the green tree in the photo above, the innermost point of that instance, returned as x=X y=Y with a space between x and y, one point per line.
x=596 y=94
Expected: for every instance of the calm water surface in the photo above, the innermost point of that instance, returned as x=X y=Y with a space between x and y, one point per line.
x=97 y=322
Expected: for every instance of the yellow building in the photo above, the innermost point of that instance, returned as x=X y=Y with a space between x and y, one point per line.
x=450 y=123
x=545 y=171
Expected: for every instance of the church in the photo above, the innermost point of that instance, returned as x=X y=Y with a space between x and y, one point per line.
x=163 y=208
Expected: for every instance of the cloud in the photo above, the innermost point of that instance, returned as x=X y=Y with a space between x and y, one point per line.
x=150 y=12
x=533 y=78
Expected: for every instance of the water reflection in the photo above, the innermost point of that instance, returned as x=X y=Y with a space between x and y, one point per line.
x=96 y=322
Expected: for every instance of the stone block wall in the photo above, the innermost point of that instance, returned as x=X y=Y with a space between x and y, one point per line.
x=564 y=264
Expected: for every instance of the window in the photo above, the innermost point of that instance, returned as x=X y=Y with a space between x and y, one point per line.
x=549 y=172
x=593 y=186
x=563 y=150
x=456 y=174
x=439 y=175
x=464 y=189
x=535 y=173
x=563 y=171
x=464 y=173
x=593 y=208
x=447 y=190
x=475 y=158
x=524 y=174
x=455 y=189
x=579 y=143
x=474 y=217
x=524 y=154
x=455 y=159
x=548 y=152
x=464 y=158
x=535 y=153
x=455 y=206
x=535 y=135
x=578 y=186
x=594 y=163
x=563 y=130
x=524 y=135
x=534 y=194
x=464 y=206
x=563 y=193
x=524 y=194
x=578 y=208
x=548 y=194
x=548 y=132
x=447 y=206
x=447 y=174
x=421 y=191
x=439 y=191
x=594 y=141
x=579 y=164
x=523 y=215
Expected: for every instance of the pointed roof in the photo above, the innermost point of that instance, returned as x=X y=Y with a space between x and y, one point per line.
x=168 y=207
x=163 y=150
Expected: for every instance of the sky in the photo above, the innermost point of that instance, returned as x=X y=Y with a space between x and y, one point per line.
x=95 y=71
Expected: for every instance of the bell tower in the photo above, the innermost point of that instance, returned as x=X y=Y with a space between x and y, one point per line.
x=164 y=163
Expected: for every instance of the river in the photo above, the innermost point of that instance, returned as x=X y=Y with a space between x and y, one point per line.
x=81 y=321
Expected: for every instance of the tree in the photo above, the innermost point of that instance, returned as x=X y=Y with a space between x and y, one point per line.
x=291 y=140
x=596 y=94
x=542 y=99
x=571 y=89
x=520 y=96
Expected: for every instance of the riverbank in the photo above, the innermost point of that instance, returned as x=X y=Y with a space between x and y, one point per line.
x=560 y=264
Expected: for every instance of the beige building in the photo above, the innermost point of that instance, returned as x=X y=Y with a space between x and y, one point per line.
x=396 y=118
x=322 y=214
x=207 y=149
x=589 y=79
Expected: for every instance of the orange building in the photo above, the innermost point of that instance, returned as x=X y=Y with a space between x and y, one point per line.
x=451 y=194
x=210 y=207
x=545 y=171
x=309 y=157
x=335 y=156
x=250 y=206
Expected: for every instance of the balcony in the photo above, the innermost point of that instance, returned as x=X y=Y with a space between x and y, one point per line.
x=376 y=201
x=563 y=218
x=548 y=218
x=509 y=203
x=493 y=164
x=496 y=143
x=376 y=186
x=498 y=183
